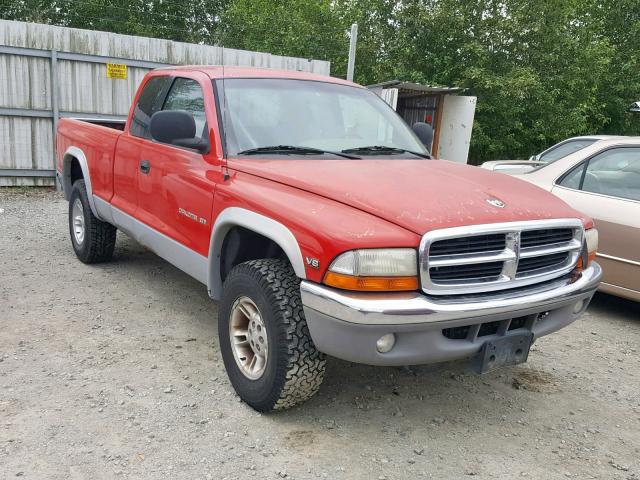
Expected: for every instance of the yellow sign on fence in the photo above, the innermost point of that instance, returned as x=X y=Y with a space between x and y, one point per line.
x=117 y=70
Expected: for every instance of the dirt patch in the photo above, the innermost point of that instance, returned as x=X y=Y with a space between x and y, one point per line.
x=300 y=438
x=535 y=381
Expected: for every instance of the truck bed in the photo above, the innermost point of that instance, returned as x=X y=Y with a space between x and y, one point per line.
x=97 y=139
x=113 y=124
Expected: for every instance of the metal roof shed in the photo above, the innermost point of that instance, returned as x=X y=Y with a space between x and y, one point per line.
x=450 y=115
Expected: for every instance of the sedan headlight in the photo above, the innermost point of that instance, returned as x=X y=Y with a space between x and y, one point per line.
x=591 y=238
x=379 y=269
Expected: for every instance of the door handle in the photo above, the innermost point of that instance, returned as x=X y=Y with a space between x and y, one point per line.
x=145 y=166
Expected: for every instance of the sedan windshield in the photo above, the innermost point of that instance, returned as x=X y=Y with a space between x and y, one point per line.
x=564 y=149
x=289 y=117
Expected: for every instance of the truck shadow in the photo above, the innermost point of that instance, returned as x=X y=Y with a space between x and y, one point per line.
x=621 y=308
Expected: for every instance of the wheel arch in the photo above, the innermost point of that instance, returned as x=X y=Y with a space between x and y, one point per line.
x=273 y=230
x=72 y=157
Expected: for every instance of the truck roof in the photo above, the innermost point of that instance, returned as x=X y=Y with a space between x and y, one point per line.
x=219 y=71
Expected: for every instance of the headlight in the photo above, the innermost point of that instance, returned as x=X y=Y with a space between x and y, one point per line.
x=589 y=250
x=380 y=269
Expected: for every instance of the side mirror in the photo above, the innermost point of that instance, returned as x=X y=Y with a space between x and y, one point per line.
x=176 y=127
x=634 y=107
x=424 y=132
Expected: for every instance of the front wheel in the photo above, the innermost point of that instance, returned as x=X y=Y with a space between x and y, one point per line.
x=264 y=339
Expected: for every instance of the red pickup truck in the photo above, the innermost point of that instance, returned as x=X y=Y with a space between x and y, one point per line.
x=319 y=220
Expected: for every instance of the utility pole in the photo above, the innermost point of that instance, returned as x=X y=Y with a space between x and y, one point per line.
x=352 y=52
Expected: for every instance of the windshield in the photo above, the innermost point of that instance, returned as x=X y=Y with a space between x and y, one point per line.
x=266 y=112
x=564 y=149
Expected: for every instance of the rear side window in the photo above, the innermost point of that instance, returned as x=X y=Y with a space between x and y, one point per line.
x=574 y=178
x=615 y=172
x=148 y=104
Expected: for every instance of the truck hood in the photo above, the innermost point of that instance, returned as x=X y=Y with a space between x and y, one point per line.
x=419 y=195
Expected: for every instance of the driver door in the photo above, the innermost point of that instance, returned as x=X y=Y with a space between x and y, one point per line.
x=175 y=195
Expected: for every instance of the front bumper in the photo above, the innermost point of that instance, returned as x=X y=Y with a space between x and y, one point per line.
x=347 y=325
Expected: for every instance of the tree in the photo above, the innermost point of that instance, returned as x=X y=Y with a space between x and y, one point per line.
x=535 y=67
x=620 y=22
x=190 y=21
x=298 y=28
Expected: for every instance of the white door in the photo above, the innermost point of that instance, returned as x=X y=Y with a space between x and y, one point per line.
x=455 y=127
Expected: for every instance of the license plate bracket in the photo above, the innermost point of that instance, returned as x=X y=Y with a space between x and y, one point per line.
x=500 y=352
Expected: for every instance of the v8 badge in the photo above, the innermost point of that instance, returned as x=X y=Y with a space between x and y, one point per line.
x=313 y=262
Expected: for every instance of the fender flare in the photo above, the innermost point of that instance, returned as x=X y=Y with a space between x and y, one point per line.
x=78 y=154
x=272 y=229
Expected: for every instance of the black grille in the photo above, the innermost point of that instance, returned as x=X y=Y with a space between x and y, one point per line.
x=456 y=333
x=478 y=243
x=499 y=327
x=518 y=322
x=466 y=272
x=536 y=238
x=531 y=264
x=489 y=328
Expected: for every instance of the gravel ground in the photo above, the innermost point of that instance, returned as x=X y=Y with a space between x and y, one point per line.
x=113 y=371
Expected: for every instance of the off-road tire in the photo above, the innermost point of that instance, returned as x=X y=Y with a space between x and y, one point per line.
x=294 y=368
x=99 y=237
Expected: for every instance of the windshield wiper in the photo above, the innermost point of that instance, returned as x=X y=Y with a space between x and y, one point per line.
x=382 y=149
x=285 y=149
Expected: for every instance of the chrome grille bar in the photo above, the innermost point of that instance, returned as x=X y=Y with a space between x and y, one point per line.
x=467 y=259
x=462 y=273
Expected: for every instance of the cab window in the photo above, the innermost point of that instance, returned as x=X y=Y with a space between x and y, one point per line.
x=186 y=94
x=148 y=103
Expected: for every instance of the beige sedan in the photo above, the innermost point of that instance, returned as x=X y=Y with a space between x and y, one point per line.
x=603 y=181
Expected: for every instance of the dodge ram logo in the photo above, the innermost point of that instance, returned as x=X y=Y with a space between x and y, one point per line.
x=495 y=202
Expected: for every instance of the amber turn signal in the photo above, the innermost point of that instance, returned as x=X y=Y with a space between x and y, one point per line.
x=590 y=258
x=371 y=284
x=591 y=247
